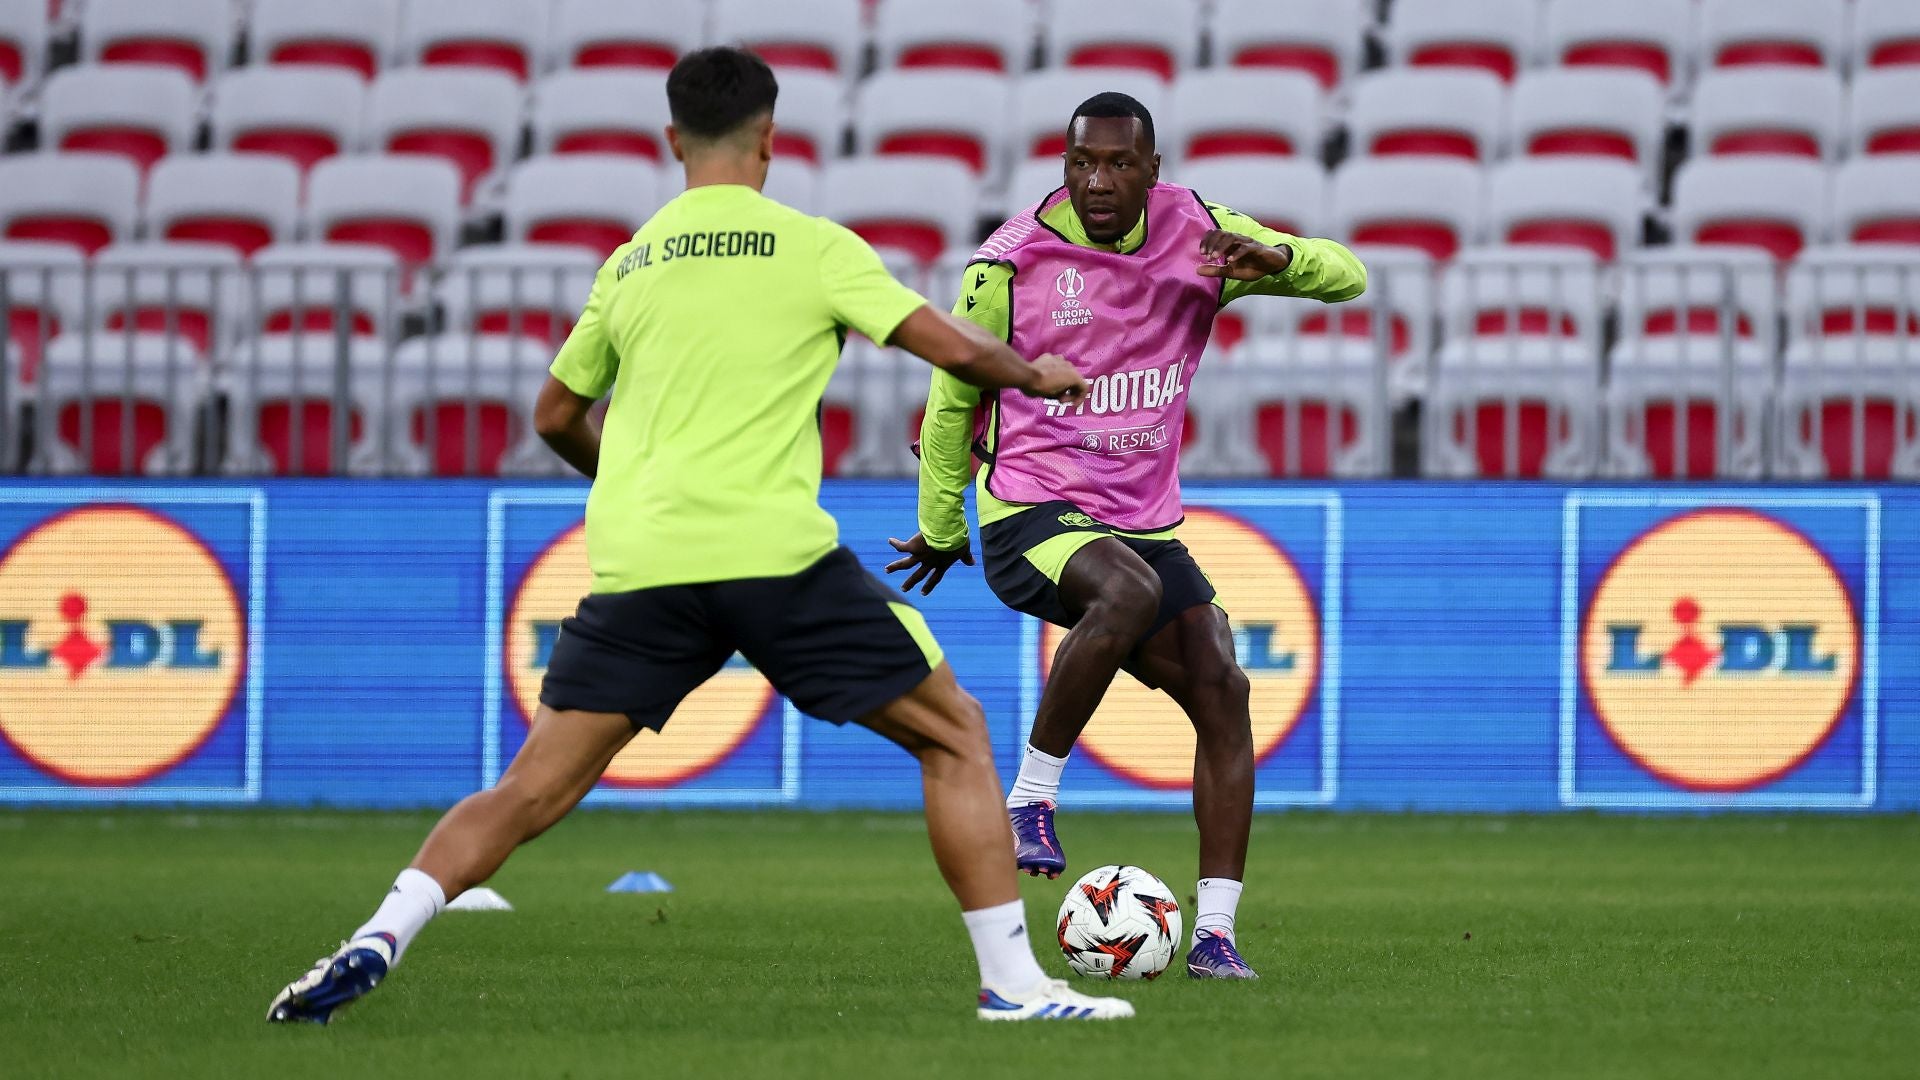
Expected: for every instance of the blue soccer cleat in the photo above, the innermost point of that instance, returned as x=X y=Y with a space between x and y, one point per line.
x=1214 y=957
x=1051 y=1000
x=334 y=982
x=1035 y=848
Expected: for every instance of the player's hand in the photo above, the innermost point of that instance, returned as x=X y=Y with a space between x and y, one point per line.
x=1052 y=377
x=926 y=561
x=1225 y=254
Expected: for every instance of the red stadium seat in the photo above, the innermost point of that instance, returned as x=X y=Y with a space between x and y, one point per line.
x=23 y=42
x=191 y=35
x=1776 y=204
x=468 y=117
x=1886 y=33
x=597 y=111
x=1321 y=38
x=242 y=201
x=85 y=201
x=505 y=36
x=139 y=112
x=823 y=36
x=1589 y=112
x=591 y=201
x=622 y=34
x=120 y=404
x=1487 y=35
x=1771 y=33
x=1440 y=113
x=354 y=35
x=1876 y=200
x=911 y=113
x=992 y=36
x=1768 y=111
x=919 y=207
x=1137 y=35
x=300 y=113
x=408 y=205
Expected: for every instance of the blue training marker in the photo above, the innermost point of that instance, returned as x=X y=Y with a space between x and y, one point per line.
x=640 y=881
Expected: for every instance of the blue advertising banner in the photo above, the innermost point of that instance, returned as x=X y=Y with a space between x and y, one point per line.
x=1410 y=646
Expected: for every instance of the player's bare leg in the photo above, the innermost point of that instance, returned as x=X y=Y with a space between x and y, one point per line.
x=943 y=727
x=1193 y=660
x=1115 y=596
x=563 y=757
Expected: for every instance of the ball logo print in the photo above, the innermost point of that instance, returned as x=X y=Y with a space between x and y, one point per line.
x=122 y=645
x=1720 y=650
x=1139 y=734
x=704 y=730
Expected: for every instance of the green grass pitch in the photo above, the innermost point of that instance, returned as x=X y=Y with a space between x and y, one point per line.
x=148 y=944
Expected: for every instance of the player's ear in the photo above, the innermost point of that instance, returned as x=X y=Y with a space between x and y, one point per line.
x=1153 y=176
x=766 y=138
x=673 y=143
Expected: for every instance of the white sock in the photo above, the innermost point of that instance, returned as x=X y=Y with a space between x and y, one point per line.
x=414 y=899
x=1000 y=944
x=1215 y=900
x=1039 y=779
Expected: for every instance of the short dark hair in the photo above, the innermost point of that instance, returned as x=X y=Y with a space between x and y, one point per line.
x=1113 y=104
x=712 y=92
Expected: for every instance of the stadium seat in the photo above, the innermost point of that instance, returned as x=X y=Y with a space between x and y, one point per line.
x=1843 y=290
x=1434 y=204
x=1883 y=116
x=532 y=290
x=1654 y=36
x=313 y=288
x=870 y=403
x=1522 y=291
x=590 y=201
x=1142 y=35
x=192 y=290
x=1513 y=408
x=1774 y=203
x=1710 y=290
x=1876 y=200
x=790 y=182
x=1803 y=33
x=991 y=35
x=1595 y=203
x=462 y=405
x=919 y=207
x=1288 y=194
x=601 y=111
x=913 y=113
x=1319 y=37
x=1035 y=179
x=409 y=205
x=1767 y=110
x=23 y=42
x=85 y=201
x=357 y=35
x=1674 y=400
x=1438 y=112
x=1394 y=318
x=141 y=112
x=1886 y=33
x=1848 y=411
x=302 y=112
x=469 y=117
x=1588 y=112
x=810 y=120
x=120 y=404
x=1306 y=407
x=626 y=34
x=40 y=296
x=823 y=35
x=1495 y=35
x=283 y=400
x=1241 y=111
x=243 y=201
x=1044 y=101
x=192 y=35
x=507 y=36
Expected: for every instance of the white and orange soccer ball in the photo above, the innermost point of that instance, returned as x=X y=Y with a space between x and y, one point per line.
x=1119 y=922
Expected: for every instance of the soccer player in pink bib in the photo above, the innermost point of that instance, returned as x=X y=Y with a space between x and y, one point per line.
x=1080 y=504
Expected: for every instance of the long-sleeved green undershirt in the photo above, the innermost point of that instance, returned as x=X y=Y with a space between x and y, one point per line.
x=1320 y=270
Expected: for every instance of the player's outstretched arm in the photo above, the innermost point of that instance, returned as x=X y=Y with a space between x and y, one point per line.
x=974 y=356
x=560 y=418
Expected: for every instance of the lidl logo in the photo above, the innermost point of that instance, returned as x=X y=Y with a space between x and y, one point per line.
x=1720 y=649
x=1140 y=734
x=122 y=644
x=709 y=725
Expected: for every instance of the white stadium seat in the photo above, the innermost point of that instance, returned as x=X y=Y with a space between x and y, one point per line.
x=601 y=111
x=1804 y=33
x=508 y=36
x=821 y=35
x=85 y=201
x=193 y=290
x=991 y=35
x=1595 y=203
x=141 y=112
x=1435 y=204
x=1848 y=289
x=1685 y=406
x=1493 y=35
x=919 y=207
x=591 y=201
x=1876 y=200
x=315 y=288
x=534 y=290
x=1243 y=111
x=810 y=117
x=1035 y=179
x=647 y=36
x=1774 y=203
x=192 y=35
x=1523 y=291
x=1455 y=112
x=1393 y=318
x=1295 y=407
x=1588 y=112
x=1513 y=407
x=919 y=112
x=40 y=296
x=1848 y=409
x=462 y=405
x=1767 y=110
x=281 y=395
x=1652 y=36
x=304 y=113
x=1143 y=35
x=1322 y=38
x=1288 y=194
x=1886 y=33
x=1689 y=289
x=1883 y=115
x=468 y=116
x=120 y=404
x=242 y=201
x=23 y=42
x=1044 y=101
x=355 y=35
x=409 y=205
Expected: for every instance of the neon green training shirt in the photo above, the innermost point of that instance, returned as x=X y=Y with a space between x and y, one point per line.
x=717 y=327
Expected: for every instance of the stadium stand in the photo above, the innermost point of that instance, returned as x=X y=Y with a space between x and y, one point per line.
x=912 y=113
x=1886 y=33
x=601 y=110
x=1590 y=203
x=1757 y=110
x=1499 y=36
x=86 y=201
x=813 y=116
x=824 y=35
x=1436 y=204
x=284 y=395
x=192 y=35
x=508 y=36
x=1588 y=112
x=191 y=290
x=1776 y=203
x=1654 y=36
x=409 y=205
x=23 y=41
x=1322 y=38
x=318 y=288
x=991 y=35
x=1444 y=112
x=625 y=34
x=360 y=36
x=1876 y=200
x=142 y=112
x=918 y=207
x=305 y=113
x=241 y=201
x=1883 y=112
x=1143 y=35
x=468 y=116
x=1771 y=32
x=1242 y=112
x=590 y=201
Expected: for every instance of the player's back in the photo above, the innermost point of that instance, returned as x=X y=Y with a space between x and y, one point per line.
x=723 y=319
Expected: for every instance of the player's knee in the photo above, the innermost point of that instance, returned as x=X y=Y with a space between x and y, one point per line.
x=1128 y=603
x=532 y=808
x=960 y=735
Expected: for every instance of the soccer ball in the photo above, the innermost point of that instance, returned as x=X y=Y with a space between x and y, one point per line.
x=1119 y=922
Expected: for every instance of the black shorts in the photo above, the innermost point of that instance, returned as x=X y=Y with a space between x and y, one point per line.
x=1032 y=584
x=832 y=639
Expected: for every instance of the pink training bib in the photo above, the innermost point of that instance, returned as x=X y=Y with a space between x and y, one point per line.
x=1135 y=326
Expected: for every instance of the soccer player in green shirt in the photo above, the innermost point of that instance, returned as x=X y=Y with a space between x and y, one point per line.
x=716 y=329
x=1079 y=505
